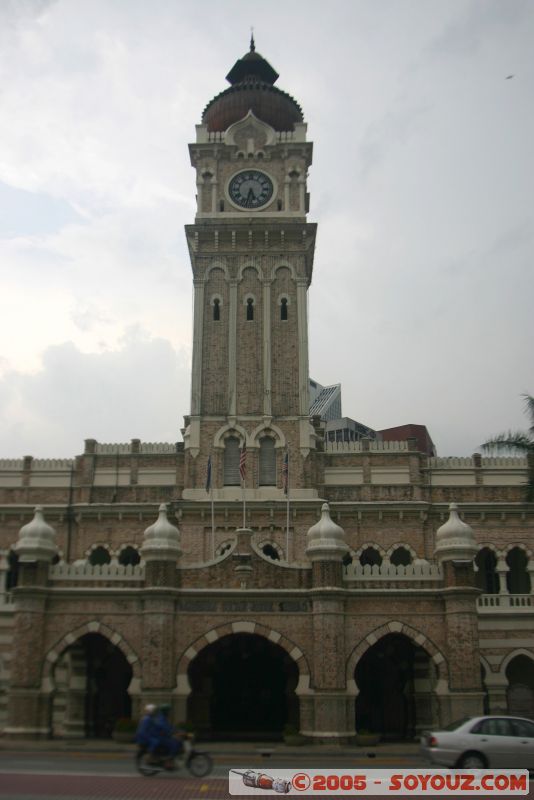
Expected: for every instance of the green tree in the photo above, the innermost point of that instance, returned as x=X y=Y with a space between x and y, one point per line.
x=518 y=442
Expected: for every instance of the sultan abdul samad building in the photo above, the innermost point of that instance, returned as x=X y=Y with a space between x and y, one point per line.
x=389 y=609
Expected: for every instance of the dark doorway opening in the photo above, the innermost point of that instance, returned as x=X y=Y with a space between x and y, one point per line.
x=92 y=678
x=395 y=680
x=243 y=687
x=520 y=695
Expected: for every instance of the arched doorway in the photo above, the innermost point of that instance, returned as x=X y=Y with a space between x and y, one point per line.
x=243 y=687
x=395 y=679
x=520 y=694
x=91 y=678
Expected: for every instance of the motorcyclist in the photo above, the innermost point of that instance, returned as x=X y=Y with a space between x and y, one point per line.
x=165 y=731
x=148 y=732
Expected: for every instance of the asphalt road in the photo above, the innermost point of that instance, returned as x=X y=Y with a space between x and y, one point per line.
x=77 y=775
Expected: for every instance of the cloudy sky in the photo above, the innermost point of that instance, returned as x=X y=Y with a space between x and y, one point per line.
x=422 y=185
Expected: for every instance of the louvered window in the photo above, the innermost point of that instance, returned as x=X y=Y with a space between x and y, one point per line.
x=267 y=463
x=231 y=462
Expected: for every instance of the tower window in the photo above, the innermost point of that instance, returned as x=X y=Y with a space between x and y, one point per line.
x=283 y=309
x=250 y=308
x=231 y=462
x=216 y=309
x=267 y=462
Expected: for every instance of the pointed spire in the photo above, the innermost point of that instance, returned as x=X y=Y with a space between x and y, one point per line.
x=455 y=540
x=36 y=539
x=326 y=539
x=252 y=43
x=162 y=539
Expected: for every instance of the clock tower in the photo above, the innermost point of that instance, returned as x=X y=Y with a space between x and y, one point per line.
x=251 y=251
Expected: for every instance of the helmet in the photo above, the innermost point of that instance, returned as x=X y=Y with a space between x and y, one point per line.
x=150 y=708
x=165 y=709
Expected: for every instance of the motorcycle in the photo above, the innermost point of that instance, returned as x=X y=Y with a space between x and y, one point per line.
x=197 y=762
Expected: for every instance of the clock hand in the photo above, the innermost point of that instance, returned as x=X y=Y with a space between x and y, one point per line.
x=250 y=198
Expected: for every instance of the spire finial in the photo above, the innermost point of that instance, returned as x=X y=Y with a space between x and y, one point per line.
x=252 y=44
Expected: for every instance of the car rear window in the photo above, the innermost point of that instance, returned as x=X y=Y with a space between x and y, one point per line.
x=452 y=726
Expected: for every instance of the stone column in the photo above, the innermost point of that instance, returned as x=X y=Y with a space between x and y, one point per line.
x=455 y=550
x=198 y=327
x=161 y=551
x=29 y=700
x=331 y=718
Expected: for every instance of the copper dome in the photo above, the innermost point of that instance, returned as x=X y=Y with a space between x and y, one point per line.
x=252 y=89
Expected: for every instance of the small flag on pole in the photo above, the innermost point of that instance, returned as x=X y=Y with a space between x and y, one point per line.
x=243 y=462
x=208 y=474
x=285 y=471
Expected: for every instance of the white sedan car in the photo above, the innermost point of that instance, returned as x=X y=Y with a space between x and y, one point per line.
x=482 y=742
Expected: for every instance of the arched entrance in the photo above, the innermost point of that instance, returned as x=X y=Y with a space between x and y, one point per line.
x=91 y=678
x=395 y=679
x=243 y=687
x=520 y=694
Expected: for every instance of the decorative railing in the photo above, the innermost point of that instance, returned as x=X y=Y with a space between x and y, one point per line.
x=468 y=462
x=6 y=599
x=390 y=572
x=11 y=463
x=512 y=603
x=101 y=448
x=366 y=445
x=96 y=572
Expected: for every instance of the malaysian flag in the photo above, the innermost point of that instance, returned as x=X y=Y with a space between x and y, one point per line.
x=208 y=474
x=243 y=462
x=285 y=471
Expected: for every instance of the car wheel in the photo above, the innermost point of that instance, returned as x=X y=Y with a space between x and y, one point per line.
x=472 y=760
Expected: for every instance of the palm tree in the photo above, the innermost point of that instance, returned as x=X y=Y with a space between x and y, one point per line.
x=519 y=442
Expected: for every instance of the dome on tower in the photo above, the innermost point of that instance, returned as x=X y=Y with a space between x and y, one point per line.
x=252 y=88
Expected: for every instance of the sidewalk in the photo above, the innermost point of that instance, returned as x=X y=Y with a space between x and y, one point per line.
x=265 y=749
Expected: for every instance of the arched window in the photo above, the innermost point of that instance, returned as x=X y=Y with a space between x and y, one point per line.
x=12 y=570
x=401 y=556
x=250 y=308
x=347 y=559
x=271 y=552
x=283 y=309
x=486 y=577
x=267 y=462
x=517 y=579
x=231 y=462
x=216 y=309
x=370 y=556
x=222 y=549
x=129 y=556
x=99 y=556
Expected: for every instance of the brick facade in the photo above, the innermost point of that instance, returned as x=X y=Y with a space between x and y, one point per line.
x=321 y=619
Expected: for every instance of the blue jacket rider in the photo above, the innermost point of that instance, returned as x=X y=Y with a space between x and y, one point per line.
x=165 y=730
x=148 y=732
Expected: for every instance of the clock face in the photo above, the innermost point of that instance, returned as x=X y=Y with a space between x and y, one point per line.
x=250 y=189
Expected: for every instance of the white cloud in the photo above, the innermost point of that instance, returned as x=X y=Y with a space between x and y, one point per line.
x=130 y=392
x=421 y=184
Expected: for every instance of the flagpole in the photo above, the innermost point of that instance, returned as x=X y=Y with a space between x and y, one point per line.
x=244 y=506
x=243 y=476
x=287 y=510
x=212 y=523
x=209 y=488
